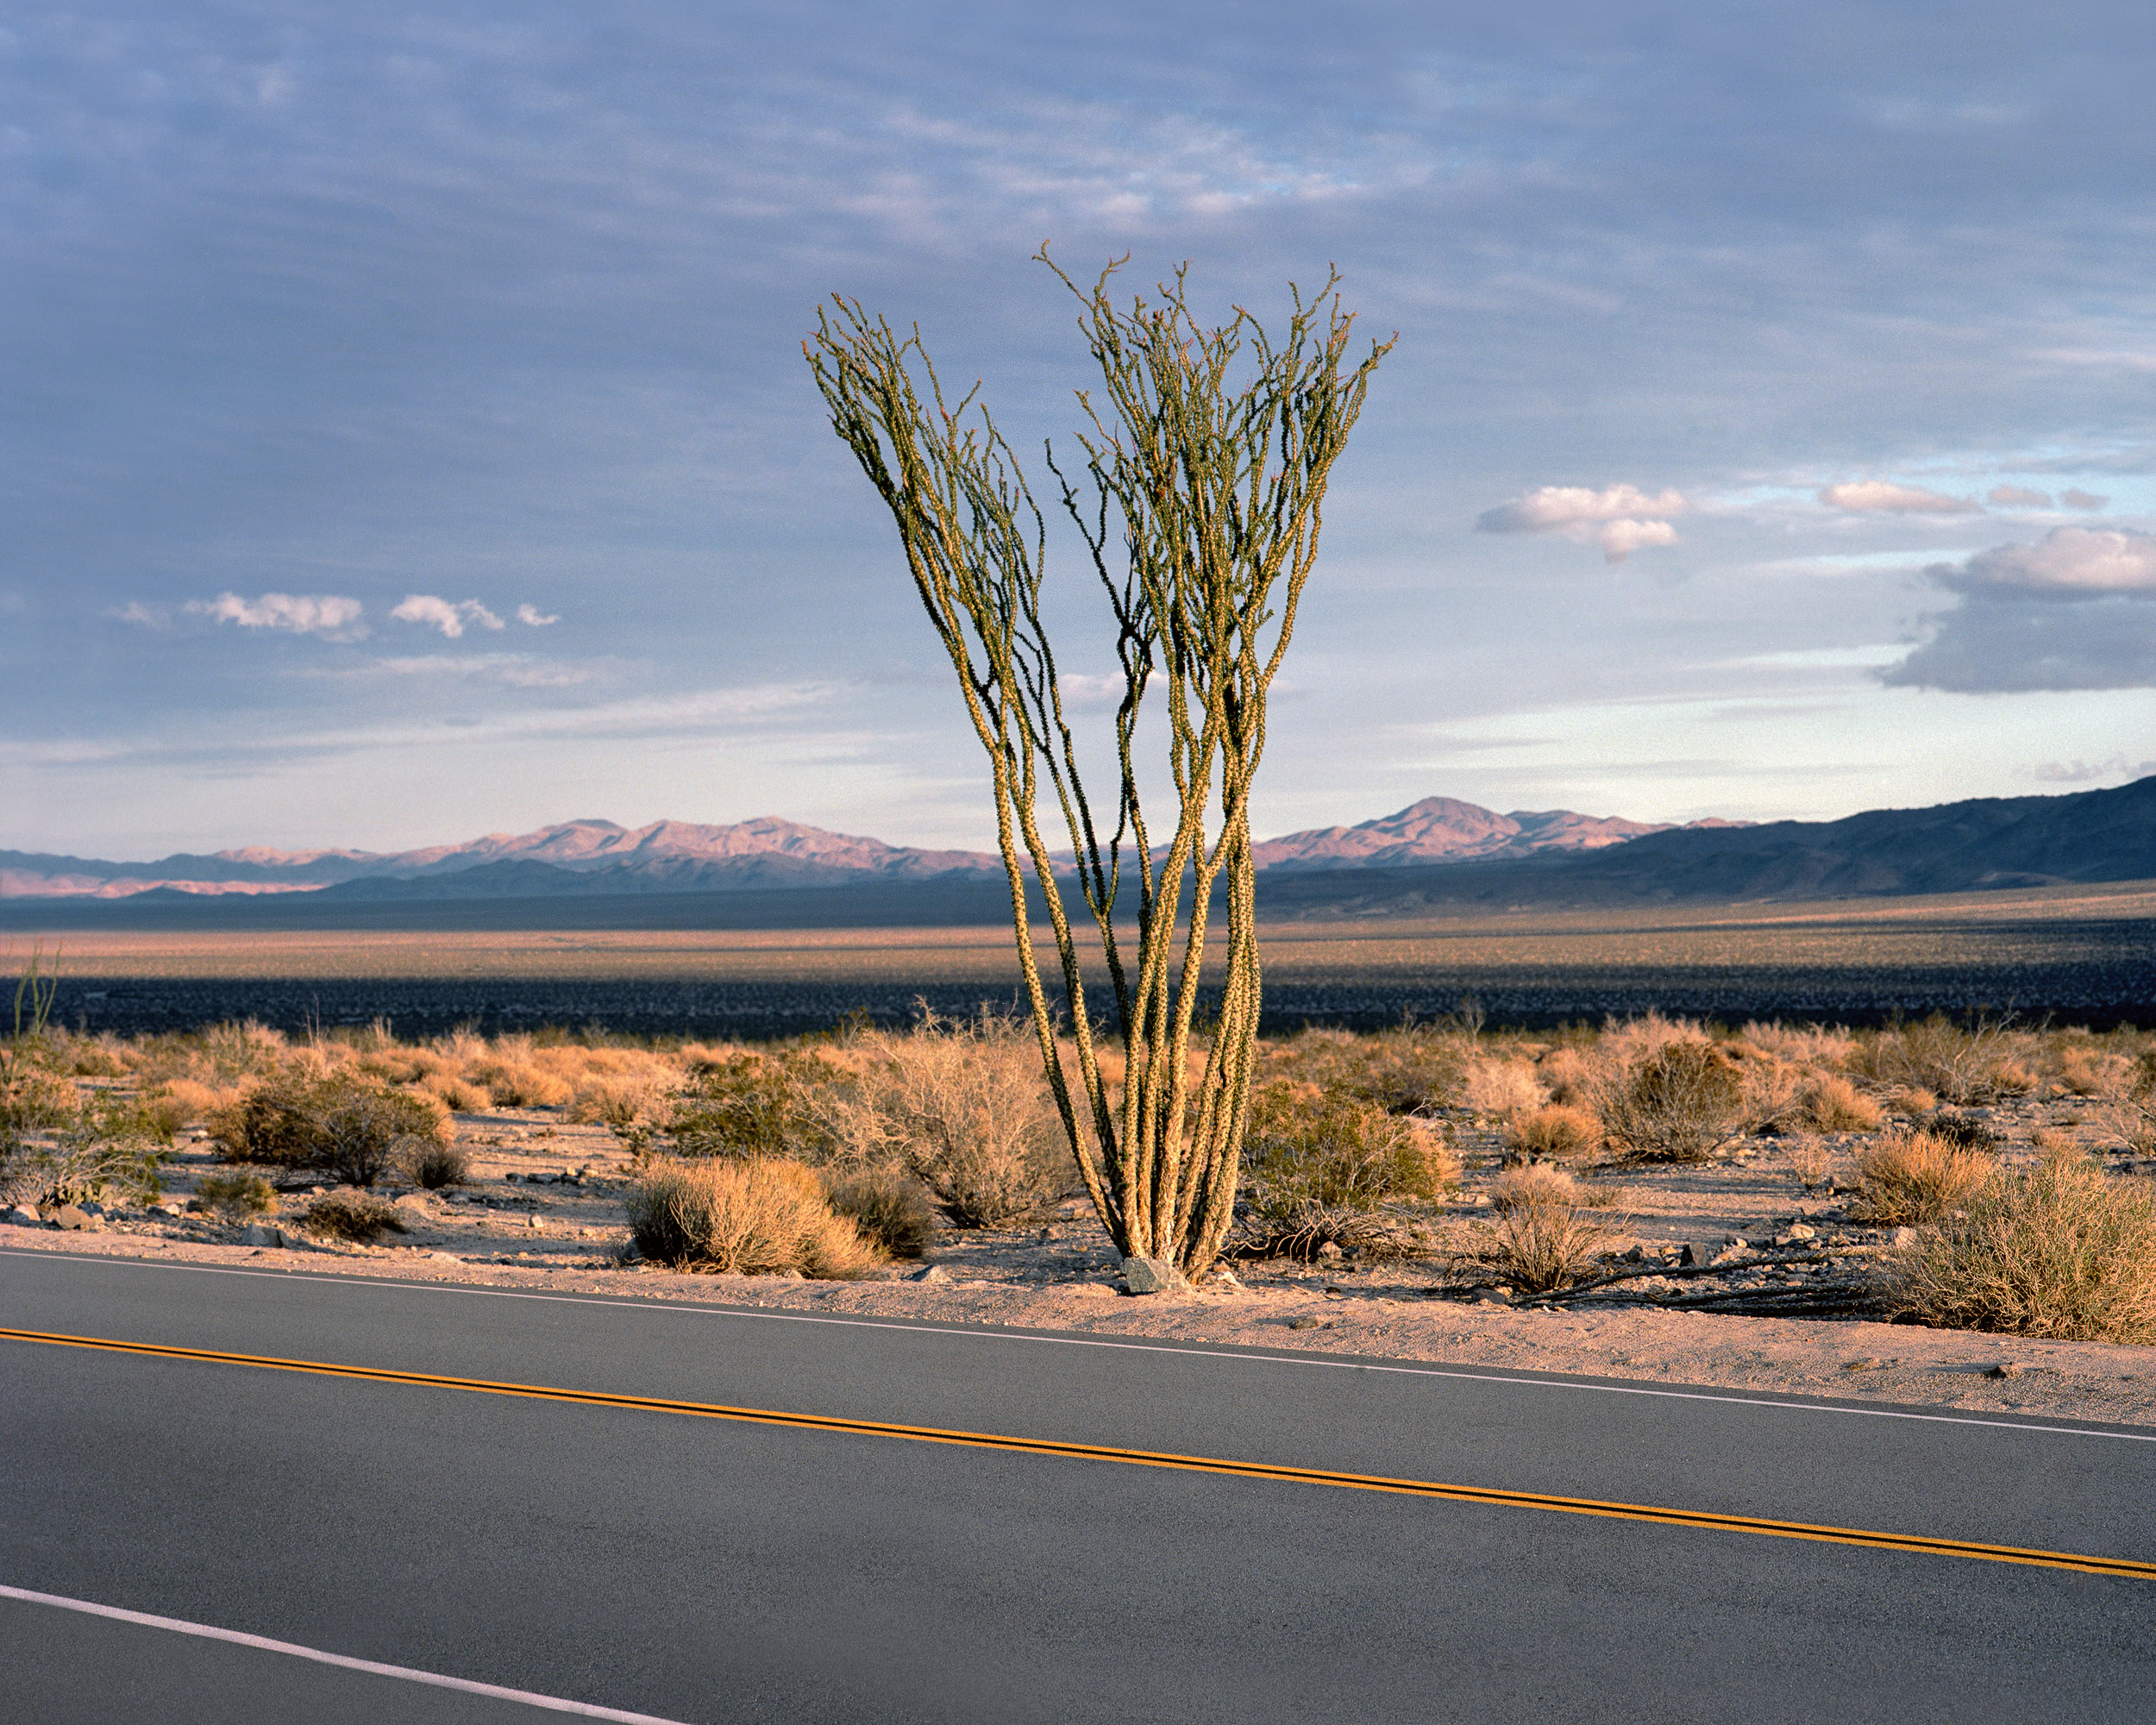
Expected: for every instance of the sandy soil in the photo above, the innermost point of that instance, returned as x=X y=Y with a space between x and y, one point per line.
x=542 y=1209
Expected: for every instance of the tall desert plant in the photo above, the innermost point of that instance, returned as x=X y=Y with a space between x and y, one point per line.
x=1215 y=485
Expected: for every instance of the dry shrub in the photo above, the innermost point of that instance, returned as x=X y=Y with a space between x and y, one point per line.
x=1909 y=1177
x=1536 y=1184
x=234 y=1197
x=1811 y=1162
x=353 y=1215
x=197 y=1101
x=431 y=1163
x=1309 y=1148
x=517 y=1084
x=1961 y=1064
x=1962 y=1130
x=1401 y=1070
x=1540 y=1244
x=1807 y=1044
x=1502 y=1086
x=963 y=1108
x=1557 y=1133
x=336 y=1123
x=612 y=1101
x=2089 y=1071
x=743 y=1218
x=454 y=1094
x=746 y=1103
x=1679 y=1102
x=1569 y=1074
x=1304 y=1233
x=2056 y=1251
x=892 y=1210
x=1827 y=1101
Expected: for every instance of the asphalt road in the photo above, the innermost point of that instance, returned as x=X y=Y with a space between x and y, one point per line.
x=701 y=1570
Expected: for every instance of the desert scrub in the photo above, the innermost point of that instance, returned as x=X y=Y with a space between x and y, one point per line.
x=1914 y=1177
x=1306 y=1146
x=746 y=1104
x=1559 y=1133
x=1960 y=1064
x=1680 y=1101
x=429 y=1161
x=353 y=1215
x=891 y=1209
x=235 y=1196
x=743 y=1218
x=1541 y=1242
x=334 y=1122
x=1502 y=1086
x=103 y=1147
x=2059 y=1251
x=963 y=1108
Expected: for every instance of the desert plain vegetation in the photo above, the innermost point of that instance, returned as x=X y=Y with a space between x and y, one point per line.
x=1966 y=1176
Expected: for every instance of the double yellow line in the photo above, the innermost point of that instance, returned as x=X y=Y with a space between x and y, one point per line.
x=1655 y=1513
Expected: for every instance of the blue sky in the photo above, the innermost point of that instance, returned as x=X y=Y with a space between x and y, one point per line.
x=403 y=432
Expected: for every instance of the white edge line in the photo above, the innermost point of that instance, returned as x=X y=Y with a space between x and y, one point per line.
x=332 y=1278
x=179 y=1626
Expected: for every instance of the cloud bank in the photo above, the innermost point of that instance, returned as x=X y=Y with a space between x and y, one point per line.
x=2076 y=610
x=446 y=615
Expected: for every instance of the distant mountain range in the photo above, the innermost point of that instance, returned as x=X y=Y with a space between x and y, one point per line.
x=598 y=856
x=1436 y=854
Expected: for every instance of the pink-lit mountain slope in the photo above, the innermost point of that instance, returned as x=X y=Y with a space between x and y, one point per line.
x=1443 y=830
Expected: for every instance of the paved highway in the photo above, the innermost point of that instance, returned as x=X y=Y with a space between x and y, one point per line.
x=688 y=1568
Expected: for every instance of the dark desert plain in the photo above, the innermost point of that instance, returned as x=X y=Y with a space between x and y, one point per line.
x=2078 y=954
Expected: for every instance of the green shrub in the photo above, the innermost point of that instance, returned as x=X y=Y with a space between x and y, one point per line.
x=234 y=1197
x=745 y=1105
x=1307 y=1147
x=101 y=1148
x=338 y=1124
x=2059 y=1251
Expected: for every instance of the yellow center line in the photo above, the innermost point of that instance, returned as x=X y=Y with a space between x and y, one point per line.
x=1656 y=1513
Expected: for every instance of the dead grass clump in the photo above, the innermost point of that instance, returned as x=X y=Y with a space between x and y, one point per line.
x=1307 y=1233
x=2059 y=1251
x=892 y=1210
x=1309 y=1147
x=195 y=1102
x=1569 y=1074
x=1557 y=1133
x=1910 y=1178
x=1969 y=1133
x=1502 y=1086
x=353 y=1215
x=1680 y=1101
x=963 y=1108
x=454 y=1094
x=337 y=1123
x=1811 y=1162
x=1541 y=1244
x=234 y=1197
x=1827 y=1101
x=743 y=1218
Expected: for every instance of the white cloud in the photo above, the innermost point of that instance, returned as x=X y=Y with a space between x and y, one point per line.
x=1619 y=519
x=2018 y=497
x=517 y=670
x=328 y=615
x=448 y=615
x=2067 y=563
x=1882 y=496
x=150 y=616
x=2082 y=499
x=529 y=614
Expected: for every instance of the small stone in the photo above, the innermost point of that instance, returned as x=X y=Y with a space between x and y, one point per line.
x=2007 y=1368
x=70 y=1216
x=1330 y=1249
x=1494 y=1296
x=1305 y=1322
x=1226 y=1278
x=1870 y=1361
x=538 y=1223
x=1902 y=1238
x=24 y=1217
x=934 y=1272
x=1151 y=1275
x=791 y=1275
x=1799 y=1232
x=262 y=1233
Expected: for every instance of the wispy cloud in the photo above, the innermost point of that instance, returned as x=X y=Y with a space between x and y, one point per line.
x=517 y=670
x=1882 y=496
x=328 y=615
x=450 y=616
x=529 y=614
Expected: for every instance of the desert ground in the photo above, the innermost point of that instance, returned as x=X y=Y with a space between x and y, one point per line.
x=543 y=1206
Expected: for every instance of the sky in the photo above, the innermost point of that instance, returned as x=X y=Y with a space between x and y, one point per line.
x=404 y=433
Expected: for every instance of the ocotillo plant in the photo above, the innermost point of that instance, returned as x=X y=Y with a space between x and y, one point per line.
x=1214 y=447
